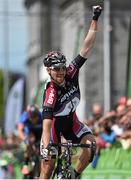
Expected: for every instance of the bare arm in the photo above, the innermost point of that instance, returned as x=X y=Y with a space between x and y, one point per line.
x=21 y=133
x=91 y=35
x=89 y=40
x=46 y=132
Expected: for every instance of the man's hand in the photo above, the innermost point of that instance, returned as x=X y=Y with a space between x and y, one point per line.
x=96 y=12
x=45 y=153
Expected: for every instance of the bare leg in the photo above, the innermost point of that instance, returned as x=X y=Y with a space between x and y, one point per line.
x=46 y=169
x=84 y=158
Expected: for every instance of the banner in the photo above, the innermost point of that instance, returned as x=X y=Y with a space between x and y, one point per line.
x=14 y=106
x=129 y=65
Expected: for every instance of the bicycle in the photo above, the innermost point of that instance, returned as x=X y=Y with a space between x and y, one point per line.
x=33 y=162
x=63 y=168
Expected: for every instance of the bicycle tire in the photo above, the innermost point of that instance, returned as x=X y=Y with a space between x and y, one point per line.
x=66 y=171
x=57 y=173
x=70 y=173
x=53 y=174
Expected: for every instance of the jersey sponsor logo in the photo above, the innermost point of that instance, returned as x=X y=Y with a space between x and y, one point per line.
x=71 y=70
x=67 y=107
x=51 y=97
x=83 y=130
x=74 y=89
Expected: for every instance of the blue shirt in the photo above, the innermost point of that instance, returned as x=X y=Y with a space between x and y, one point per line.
x=108 y=137
x=35 y=129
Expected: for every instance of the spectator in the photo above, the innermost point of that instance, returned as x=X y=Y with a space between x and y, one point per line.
x=122 y=100
x=125 y=137
x=120 y=110
x=128 y=104
x=97 y=111
x=105 y=136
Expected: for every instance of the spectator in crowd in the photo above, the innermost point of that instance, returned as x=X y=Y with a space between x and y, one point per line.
x=90 y=122
x=105 y=136
x=125 y=137
x=120 y=110
x=128 y=104
x=122 y=100
x=97 y=111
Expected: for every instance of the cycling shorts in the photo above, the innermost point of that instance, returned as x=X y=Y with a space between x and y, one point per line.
x=69 y=127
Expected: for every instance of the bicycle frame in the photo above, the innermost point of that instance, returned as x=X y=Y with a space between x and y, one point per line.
x=64 y=169
x=34 y=160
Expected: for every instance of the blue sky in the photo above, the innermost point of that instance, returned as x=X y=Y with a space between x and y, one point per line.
x=17 y=33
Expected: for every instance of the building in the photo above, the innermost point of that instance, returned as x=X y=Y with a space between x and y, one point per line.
x=61 y=25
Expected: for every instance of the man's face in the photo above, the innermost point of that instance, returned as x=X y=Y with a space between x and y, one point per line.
x=57 y=74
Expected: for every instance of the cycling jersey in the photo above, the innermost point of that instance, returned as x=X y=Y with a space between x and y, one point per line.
x=35 y=129
x=59 y=104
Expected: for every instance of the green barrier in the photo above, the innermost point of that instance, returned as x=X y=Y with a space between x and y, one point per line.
x=114 y=163
x=17 y=171
x=106 y=174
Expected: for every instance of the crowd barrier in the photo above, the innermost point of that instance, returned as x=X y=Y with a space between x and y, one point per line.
x=113 y=163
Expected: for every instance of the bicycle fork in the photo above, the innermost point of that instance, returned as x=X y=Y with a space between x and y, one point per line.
x=59 y=169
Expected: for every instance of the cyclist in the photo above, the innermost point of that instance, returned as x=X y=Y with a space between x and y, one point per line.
x=61 y=98
x=29 y=128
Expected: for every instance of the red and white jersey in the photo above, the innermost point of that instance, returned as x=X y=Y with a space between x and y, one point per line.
x=61 y=101
x=59 y=104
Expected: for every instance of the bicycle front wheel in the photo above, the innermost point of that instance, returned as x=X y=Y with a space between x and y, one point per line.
x=69 y=173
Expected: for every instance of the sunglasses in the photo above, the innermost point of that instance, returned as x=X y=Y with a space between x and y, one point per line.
x=58 y=68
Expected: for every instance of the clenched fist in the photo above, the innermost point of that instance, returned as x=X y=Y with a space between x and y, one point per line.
x=96 y=12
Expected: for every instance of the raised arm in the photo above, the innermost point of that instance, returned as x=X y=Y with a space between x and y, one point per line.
x=91 y=35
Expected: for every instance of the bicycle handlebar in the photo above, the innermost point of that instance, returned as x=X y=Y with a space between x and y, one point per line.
x=69 y=144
